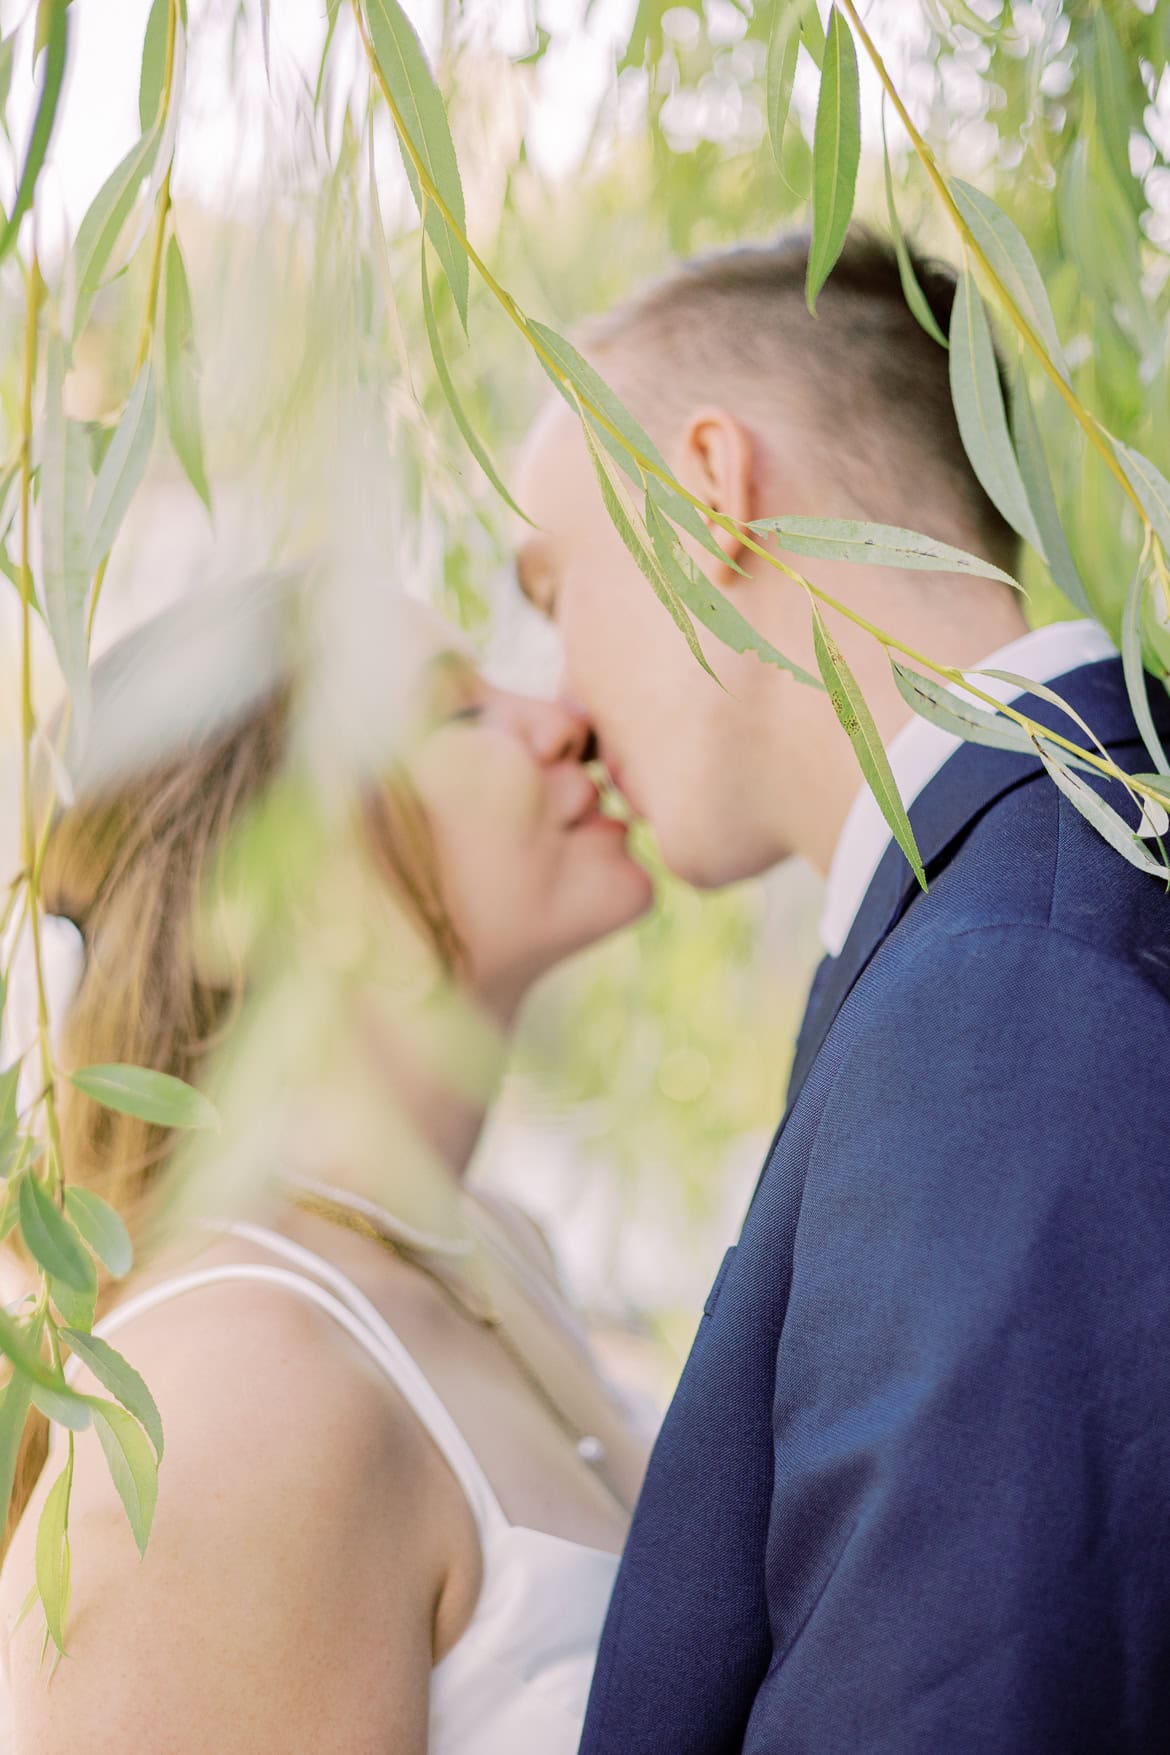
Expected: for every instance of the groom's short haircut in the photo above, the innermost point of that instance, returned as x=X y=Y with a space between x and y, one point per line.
x=861 y=385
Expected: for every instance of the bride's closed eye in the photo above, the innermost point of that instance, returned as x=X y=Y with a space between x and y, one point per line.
x=454 y=692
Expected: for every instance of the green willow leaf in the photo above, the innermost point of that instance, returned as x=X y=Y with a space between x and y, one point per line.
x=911 y=290
x=1010 y=258
x=102 y=226
x=153 y=74
x=1038 y=487
x=122 y=470
x=875 y=545
x=51 y=1237
x=1135 y=675
x=14 y=1406
x=53 y=1557
x=122 y=1381
x=836 y=154
x=937 y=704
x=458 y=412
x=181 y=381
x=78 y=1308
x=42 y=128
x=66 y=1409
x=588 y=384
x=783 y=48
x=417 y=99
x=132 y=1464
x=102 y=1229
x=151 y=1096
x=1151 y=488
x=708 y=604
x=850 y=707
x=632 y=531
x=812 y=34
x=64 y=573
x=979 y=409
x=1111 y=826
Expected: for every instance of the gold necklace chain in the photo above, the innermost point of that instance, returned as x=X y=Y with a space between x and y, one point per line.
x=587 y=1445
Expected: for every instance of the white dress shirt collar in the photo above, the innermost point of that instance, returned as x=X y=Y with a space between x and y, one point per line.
x=920 y=749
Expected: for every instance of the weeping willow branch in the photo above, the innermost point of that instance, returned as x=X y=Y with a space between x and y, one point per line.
x=1087 y=421
x=948 y=673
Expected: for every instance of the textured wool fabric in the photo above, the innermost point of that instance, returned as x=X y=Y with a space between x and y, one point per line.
x=913 y=1493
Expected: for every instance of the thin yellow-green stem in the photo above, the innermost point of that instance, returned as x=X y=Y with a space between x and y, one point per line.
x=649 y=467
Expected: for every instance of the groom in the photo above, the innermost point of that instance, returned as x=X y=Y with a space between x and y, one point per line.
x=913 y=1493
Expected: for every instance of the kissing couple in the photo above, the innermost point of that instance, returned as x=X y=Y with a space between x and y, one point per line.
x=911 y=1494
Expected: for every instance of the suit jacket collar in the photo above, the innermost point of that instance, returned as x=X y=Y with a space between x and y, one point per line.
x=948 y=807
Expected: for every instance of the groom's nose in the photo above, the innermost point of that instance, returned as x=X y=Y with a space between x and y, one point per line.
x=560 y=732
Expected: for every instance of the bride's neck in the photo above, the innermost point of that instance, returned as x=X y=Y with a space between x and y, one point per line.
x=440 y=1066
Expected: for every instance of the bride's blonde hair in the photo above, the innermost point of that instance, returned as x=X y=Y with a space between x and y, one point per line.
x=128 y=863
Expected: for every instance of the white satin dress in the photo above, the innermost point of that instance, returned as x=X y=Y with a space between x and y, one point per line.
x=517 y=1681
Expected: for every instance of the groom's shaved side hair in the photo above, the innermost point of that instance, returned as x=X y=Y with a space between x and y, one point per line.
x=861 y=386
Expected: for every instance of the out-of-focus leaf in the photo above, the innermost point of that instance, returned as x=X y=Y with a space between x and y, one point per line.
x=14 y=1405
x=122 y=470
x=51 y=1238
x=836 y=153
x=1004 y=247
x=7 y=61
x=1112 y=107
x=979 y=409
x=152 y=1096
x=1135 y=675
x=132 y=1464
x=783 y=48
x=911 y=290
x=266 y=36
x=875 y=545
x=42 y=128
x=628 y=524
x=102 y=1229
x=1038 y=487
x=64 y=573
x=53 y=1559
x=1109 y=824
x=107 y=214
x=181 y=382
x=590 y=385
x=935 y=703
x=708 y=604
x=812 y=35
x=154 y=55
x=420 y=107
x=470 y=437
x=122 y=1381
x=850 y=707
x=9 y=1080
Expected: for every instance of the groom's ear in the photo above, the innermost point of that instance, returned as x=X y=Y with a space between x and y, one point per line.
x=717 y=463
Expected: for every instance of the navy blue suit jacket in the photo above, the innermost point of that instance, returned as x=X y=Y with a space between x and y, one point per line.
x=913 y=1492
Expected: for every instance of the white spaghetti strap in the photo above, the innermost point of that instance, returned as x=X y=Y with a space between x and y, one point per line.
x=352 y=1311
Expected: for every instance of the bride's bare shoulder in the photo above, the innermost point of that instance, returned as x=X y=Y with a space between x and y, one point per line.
x=287 y=1527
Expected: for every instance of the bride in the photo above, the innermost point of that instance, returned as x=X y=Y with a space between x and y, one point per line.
x=395 y=1485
